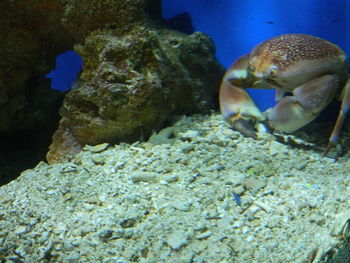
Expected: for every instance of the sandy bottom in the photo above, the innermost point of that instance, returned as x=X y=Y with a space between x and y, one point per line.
x=195 y=192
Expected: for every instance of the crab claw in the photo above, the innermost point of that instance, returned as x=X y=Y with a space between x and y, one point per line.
x=237 y=107
x=308 y=100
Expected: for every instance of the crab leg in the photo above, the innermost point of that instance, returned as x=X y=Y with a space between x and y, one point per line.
x=237 y=107
x=308 y=100
x=344 y=109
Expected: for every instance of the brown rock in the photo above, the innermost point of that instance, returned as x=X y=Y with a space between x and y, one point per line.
x=132 y=82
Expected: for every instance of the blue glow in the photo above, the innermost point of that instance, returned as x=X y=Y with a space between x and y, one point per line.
x=68 y=66
x=237 y=26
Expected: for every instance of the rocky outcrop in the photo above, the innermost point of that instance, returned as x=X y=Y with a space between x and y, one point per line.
x=132 y=82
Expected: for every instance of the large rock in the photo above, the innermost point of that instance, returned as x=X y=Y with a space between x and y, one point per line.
x=132 y=82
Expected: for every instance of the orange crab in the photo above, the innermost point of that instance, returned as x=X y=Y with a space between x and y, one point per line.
x=312 y=70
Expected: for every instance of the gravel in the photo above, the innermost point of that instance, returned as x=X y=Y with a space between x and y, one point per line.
x=199 y=192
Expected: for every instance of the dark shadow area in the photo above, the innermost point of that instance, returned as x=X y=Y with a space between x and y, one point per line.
x=24 y=150
x=27 y=144
x=153 y=9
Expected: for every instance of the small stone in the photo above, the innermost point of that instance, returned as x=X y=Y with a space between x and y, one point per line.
x=231 y=133
x=301 y=166
x=98 y=159
x=182 y=205
x=128 y=233
x=238 y=224
x=96 y=148
x=253 y=184
x=177 y=240
x=239 y=190
x=186 y=147
x=163 y=136
x=277 y=148
x=60 y=228
x=73 y=257
x=20 y=230
x=245 y=230
x=204 y=235
x=190 y=134
x=89 y=207
x=105 y=233
x=144 y=177
x=250 y=239
x=170 y=178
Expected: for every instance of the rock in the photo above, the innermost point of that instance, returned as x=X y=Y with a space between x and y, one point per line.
x=163 y=136
x=144 y=177
x=82 y=18
x=177 y=239
x=277 y=148
x=131 y=84
x=97 y=148
x=253 y=184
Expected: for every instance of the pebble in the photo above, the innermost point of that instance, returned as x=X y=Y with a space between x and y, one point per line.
x=137 y=177
x=96 y=148
x=182 y=205
x=277 y=148
x=204 y=235
x=253 y=184
x=189 y=134
x=175 y=202
x=177 y=240
x=163 y=136
x=20 y=230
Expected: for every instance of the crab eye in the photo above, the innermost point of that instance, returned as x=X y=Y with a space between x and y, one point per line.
x=272 y=71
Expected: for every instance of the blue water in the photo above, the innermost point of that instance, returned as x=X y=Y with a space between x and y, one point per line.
x=236 y=26
x=68 y=66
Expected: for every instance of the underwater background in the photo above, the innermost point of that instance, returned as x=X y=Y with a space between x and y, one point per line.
x=237 y=26
x=196 y=190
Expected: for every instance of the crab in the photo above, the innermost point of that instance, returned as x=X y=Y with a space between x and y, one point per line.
x=307 y=73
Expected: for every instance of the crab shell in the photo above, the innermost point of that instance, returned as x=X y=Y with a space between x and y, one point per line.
x=288 y=61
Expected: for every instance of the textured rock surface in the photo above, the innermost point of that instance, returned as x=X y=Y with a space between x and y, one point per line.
x=132 y=83
x=83 y=17
x=206 y=195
